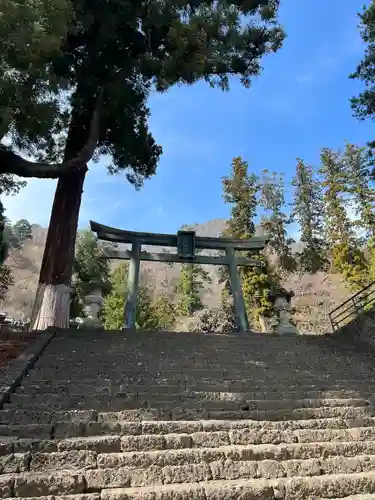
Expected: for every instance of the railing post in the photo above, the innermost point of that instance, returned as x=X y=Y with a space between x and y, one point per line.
x=132 y=288
x=235 y=283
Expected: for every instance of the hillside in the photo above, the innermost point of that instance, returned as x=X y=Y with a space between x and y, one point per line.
x=315 y=295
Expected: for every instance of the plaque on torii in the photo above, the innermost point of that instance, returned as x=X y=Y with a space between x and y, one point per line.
x=187 y=243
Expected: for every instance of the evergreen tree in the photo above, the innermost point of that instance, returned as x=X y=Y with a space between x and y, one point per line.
x=165 y=311
x=91 y=271
x=150 y=314
x=240 y=189
x=364 y=105
x=346 y=257
x=308 y=211
x=275 y=224
x=360 y=188
x=192 y=280
x=31 y=33
x=22 y=230
x=8 y=186
x=338 y=227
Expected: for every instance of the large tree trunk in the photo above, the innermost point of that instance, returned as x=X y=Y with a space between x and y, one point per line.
x=52 y=302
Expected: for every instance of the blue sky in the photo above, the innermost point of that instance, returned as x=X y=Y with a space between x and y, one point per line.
x=299 y=104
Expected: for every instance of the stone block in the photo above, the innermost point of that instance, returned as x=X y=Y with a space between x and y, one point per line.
x=210 y=439
x=6 y=486
x=97 y=479
x=177 y=441
x=16 y=462
x=99 y=444
x=143 y=442
x=53 y=483
x=81 y=459
x=189 y=473
x=34 y=445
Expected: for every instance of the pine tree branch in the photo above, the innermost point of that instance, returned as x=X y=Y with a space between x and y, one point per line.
x=11 y=163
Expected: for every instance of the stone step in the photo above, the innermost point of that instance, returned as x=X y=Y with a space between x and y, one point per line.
x=329 y=439
x=282 y=458
x=209 y=400
x=298 y=488
x=64 y=425
x=243 y=381
x=178 y=361
x=272 y=415
x=184 y=411
x=199 y=341
x=78 y=424
x=84 y=477
x=160 y=391
x=177 y=365
x=219 y=385
x=214 y=354
x=254 y=361
x=356 y=439
x=37 y=417
x=61 y=401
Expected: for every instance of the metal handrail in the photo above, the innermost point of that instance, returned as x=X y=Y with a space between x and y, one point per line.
x=356 y=304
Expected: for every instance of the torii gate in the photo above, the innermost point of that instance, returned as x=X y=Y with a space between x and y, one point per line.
x=186 y=243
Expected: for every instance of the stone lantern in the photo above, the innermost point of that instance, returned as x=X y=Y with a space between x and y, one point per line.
x=92 y=304
x=282 y=303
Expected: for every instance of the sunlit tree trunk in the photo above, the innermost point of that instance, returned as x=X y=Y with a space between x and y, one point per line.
x=52 y=302
x=51 y=307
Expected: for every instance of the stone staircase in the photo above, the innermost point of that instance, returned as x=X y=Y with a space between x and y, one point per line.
x=141 y=416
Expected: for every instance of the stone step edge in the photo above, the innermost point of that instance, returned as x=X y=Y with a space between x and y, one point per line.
x=290 y=488
x=164 y=443
x=185 y=412
x=94 y=479
x=162 y=426
x=130 y=390
x=256 y=453
x=19 y=367
x=188 y=397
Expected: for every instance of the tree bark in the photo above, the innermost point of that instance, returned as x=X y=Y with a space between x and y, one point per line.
x=52 y=302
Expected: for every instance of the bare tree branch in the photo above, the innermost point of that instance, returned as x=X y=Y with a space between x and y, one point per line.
x=11 y=163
